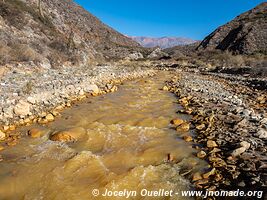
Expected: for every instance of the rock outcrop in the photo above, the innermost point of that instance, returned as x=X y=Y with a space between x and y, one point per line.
x=246 y=34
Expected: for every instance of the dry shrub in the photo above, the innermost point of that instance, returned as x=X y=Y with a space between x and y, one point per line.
x=5 y=56
x=227 y=59
x=24 y=53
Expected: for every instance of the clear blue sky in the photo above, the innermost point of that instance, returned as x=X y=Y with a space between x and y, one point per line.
x=183 y=18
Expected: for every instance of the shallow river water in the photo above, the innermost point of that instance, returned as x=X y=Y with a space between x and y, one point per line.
x=127 y=147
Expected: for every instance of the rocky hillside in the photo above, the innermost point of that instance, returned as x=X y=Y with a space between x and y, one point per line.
x=162 y=42
x=55 y=33
x=182 y=50
x=246 y=34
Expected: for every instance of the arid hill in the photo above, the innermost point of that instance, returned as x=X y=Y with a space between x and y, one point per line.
x=56 y=32
x=246 y=34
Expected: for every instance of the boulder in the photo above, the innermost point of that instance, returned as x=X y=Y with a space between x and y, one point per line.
x=177 y=122
x=210 y=173
x=201 y=154
x=238 y=151
x=188 y=138
x=262 y=133
x=36 y=132
x=211 y=144
x=196 y=177
x=2 y=135
x=92 y=89
x=69 y=135
x=243 y=147
x=200 y=127
x=50 y=117
x=183 y=127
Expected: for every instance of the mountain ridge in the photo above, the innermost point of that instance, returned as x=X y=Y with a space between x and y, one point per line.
x=162 y=42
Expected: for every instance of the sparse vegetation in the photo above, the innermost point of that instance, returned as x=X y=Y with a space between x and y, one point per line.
x=28 y=87
x=24 y=53
x=18 y=53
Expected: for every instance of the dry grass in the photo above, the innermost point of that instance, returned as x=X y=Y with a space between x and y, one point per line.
x=227 y=59
x=5 y=56
x=24 y=53
x=18 y=53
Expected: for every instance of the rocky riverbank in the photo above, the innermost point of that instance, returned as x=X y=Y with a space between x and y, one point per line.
x=30 y=95
x=229 y=123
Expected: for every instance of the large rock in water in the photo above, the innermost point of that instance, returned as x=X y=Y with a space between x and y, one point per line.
x=69 y=135
x=246 y=34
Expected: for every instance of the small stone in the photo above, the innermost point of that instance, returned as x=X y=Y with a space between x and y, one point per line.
x=55 y=113
x=211 y=144
x=2 y=135
x=238 y=151
x=243 y=147
x=59 y=108
x=217 y=162
x=202 y=182
x=189 y=111
x=197 y=176
x=200 y=127
x=92 y=89
x=165 y=88
x=184 y=127
x=2 y=148
x=170 y=157
x=210 y=173
x=31 y=100
x=5 y=128
x=114 y=89
x=215 y=150
x=184 y=102
x=212 y=188
x=27 y=120
x=218 y=177
x=177 y=122
x=262 y=134
x=245 y=144
x=201 y=154
x=50 y=117
x=96 y=94
x=12 y=143
x=188 y=138
x=242 y=184
x=12 y=127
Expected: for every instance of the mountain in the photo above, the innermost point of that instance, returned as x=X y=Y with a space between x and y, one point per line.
x=56 y=32
x=182 y=51
x=246 y=34
x=162 y=42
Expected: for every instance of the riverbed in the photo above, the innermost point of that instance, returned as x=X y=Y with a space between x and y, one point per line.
x=129 y=144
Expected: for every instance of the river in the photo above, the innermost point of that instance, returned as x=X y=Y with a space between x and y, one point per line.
x=129 y=145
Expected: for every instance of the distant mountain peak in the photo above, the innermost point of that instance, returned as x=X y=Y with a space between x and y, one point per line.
x=162 y=42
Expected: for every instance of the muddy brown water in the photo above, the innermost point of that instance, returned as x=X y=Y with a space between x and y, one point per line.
x=126 y=147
